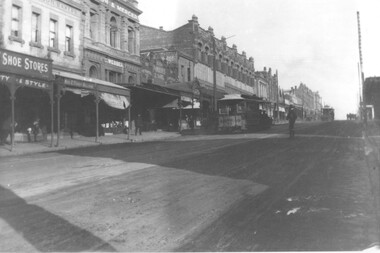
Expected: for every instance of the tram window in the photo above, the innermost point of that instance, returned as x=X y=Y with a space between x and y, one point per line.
x=223 y=110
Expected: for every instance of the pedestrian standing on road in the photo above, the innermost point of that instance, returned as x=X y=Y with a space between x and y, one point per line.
x=5 y=131
x=138 y=124
x=291 y=117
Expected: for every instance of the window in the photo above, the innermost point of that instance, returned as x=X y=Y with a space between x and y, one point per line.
x=36 y=38
x=188 y=74
x=131 y=41
x=113 y=32
x=16 y=21
x=131 y=80
x=53 y=34
x=93 y=72
x=69 y=39
x=93 y=25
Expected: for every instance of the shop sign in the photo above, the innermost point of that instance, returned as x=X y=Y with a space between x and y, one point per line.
x=114 y=62
x=120 y=8
x=23 y=81
x=79 y=84
x=33 y=67
x=63 y=6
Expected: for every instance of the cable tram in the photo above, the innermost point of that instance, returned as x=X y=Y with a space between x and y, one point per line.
x=241 y=113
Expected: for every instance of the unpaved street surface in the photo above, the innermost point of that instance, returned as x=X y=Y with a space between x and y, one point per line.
x=241 y=192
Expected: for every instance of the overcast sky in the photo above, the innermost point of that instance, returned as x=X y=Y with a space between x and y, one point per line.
x=310 y=41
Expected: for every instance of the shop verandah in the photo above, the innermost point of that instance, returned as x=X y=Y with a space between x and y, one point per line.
x=35 y=106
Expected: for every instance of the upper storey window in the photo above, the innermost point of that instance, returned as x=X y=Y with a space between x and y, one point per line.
x=131 y=40
x=53 y=39
x=113 y=32
x=93 y=25
x=16 y=21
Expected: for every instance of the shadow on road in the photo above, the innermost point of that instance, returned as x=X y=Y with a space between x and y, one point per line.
x=44 y=230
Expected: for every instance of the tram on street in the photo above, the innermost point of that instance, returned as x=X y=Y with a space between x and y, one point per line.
x=242 y=113
x=327 y=113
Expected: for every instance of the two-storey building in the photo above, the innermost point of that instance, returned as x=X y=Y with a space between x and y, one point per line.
x=203 y=66
x=49 y=57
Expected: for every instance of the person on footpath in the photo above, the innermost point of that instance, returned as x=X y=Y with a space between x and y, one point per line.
x=138 y=124
x=5 y=131
x=291 y=117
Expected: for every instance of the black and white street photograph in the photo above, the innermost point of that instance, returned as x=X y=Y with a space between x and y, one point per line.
x=189 y=126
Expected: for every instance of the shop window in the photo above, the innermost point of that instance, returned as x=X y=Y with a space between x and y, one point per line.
x=113 y=32
x=93 y=72
x=131 y=41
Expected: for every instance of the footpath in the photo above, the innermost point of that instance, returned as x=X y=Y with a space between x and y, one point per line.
x=22 y=148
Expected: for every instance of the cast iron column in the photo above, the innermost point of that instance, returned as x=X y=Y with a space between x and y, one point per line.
x=97 y=100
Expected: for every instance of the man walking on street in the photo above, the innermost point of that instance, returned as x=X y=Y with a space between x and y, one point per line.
x=138 y=124
x=292 y=116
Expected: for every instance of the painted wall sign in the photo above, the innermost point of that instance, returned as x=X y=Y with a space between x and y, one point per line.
x=62 y=6
x=24 y=81
x=114 y=62
x=25 y=65
x=115 y=5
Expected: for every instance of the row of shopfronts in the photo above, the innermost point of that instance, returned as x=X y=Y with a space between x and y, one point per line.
x=95 y=79
x=61 y=102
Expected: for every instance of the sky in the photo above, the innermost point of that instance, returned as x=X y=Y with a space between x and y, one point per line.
x=315 y=42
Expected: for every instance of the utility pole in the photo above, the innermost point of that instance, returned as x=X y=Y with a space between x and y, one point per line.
x=214 y=105
x=364 y=102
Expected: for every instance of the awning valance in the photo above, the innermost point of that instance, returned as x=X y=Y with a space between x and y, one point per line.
x=153 y=88
x=92 y=84
x=115 y=101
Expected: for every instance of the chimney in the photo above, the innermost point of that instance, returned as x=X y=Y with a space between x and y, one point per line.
x=265 y=69
x=194 y=19
x=244 y=54
x=234 y=47
x=211 y=30
x=161 y=28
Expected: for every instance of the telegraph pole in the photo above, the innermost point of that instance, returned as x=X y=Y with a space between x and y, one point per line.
x=364 y=102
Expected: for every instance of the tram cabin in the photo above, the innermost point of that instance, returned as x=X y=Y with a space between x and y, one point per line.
x=242 y=113
x=327 y=113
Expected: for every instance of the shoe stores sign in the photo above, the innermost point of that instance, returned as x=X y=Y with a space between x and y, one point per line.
x=116 y=6
x=25 y=69
x=26 y=65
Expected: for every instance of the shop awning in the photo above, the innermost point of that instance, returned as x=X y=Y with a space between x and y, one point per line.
x=92 y=84
x=186 y=88
x=115 y=101
x=153 y=88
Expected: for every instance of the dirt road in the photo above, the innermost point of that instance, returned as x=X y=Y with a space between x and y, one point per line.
x=198 y=193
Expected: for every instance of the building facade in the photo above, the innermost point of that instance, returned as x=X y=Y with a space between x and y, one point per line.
x=198 y=58
x=55 y=61
x=372 y=97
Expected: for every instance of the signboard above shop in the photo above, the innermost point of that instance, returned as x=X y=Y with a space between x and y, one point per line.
x=25 y=65
x=116 y=6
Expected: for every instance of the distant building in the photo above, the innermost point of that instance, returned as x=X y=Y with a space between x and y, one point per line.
x=183 y=60
x=372 y=97
x=308 y=104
